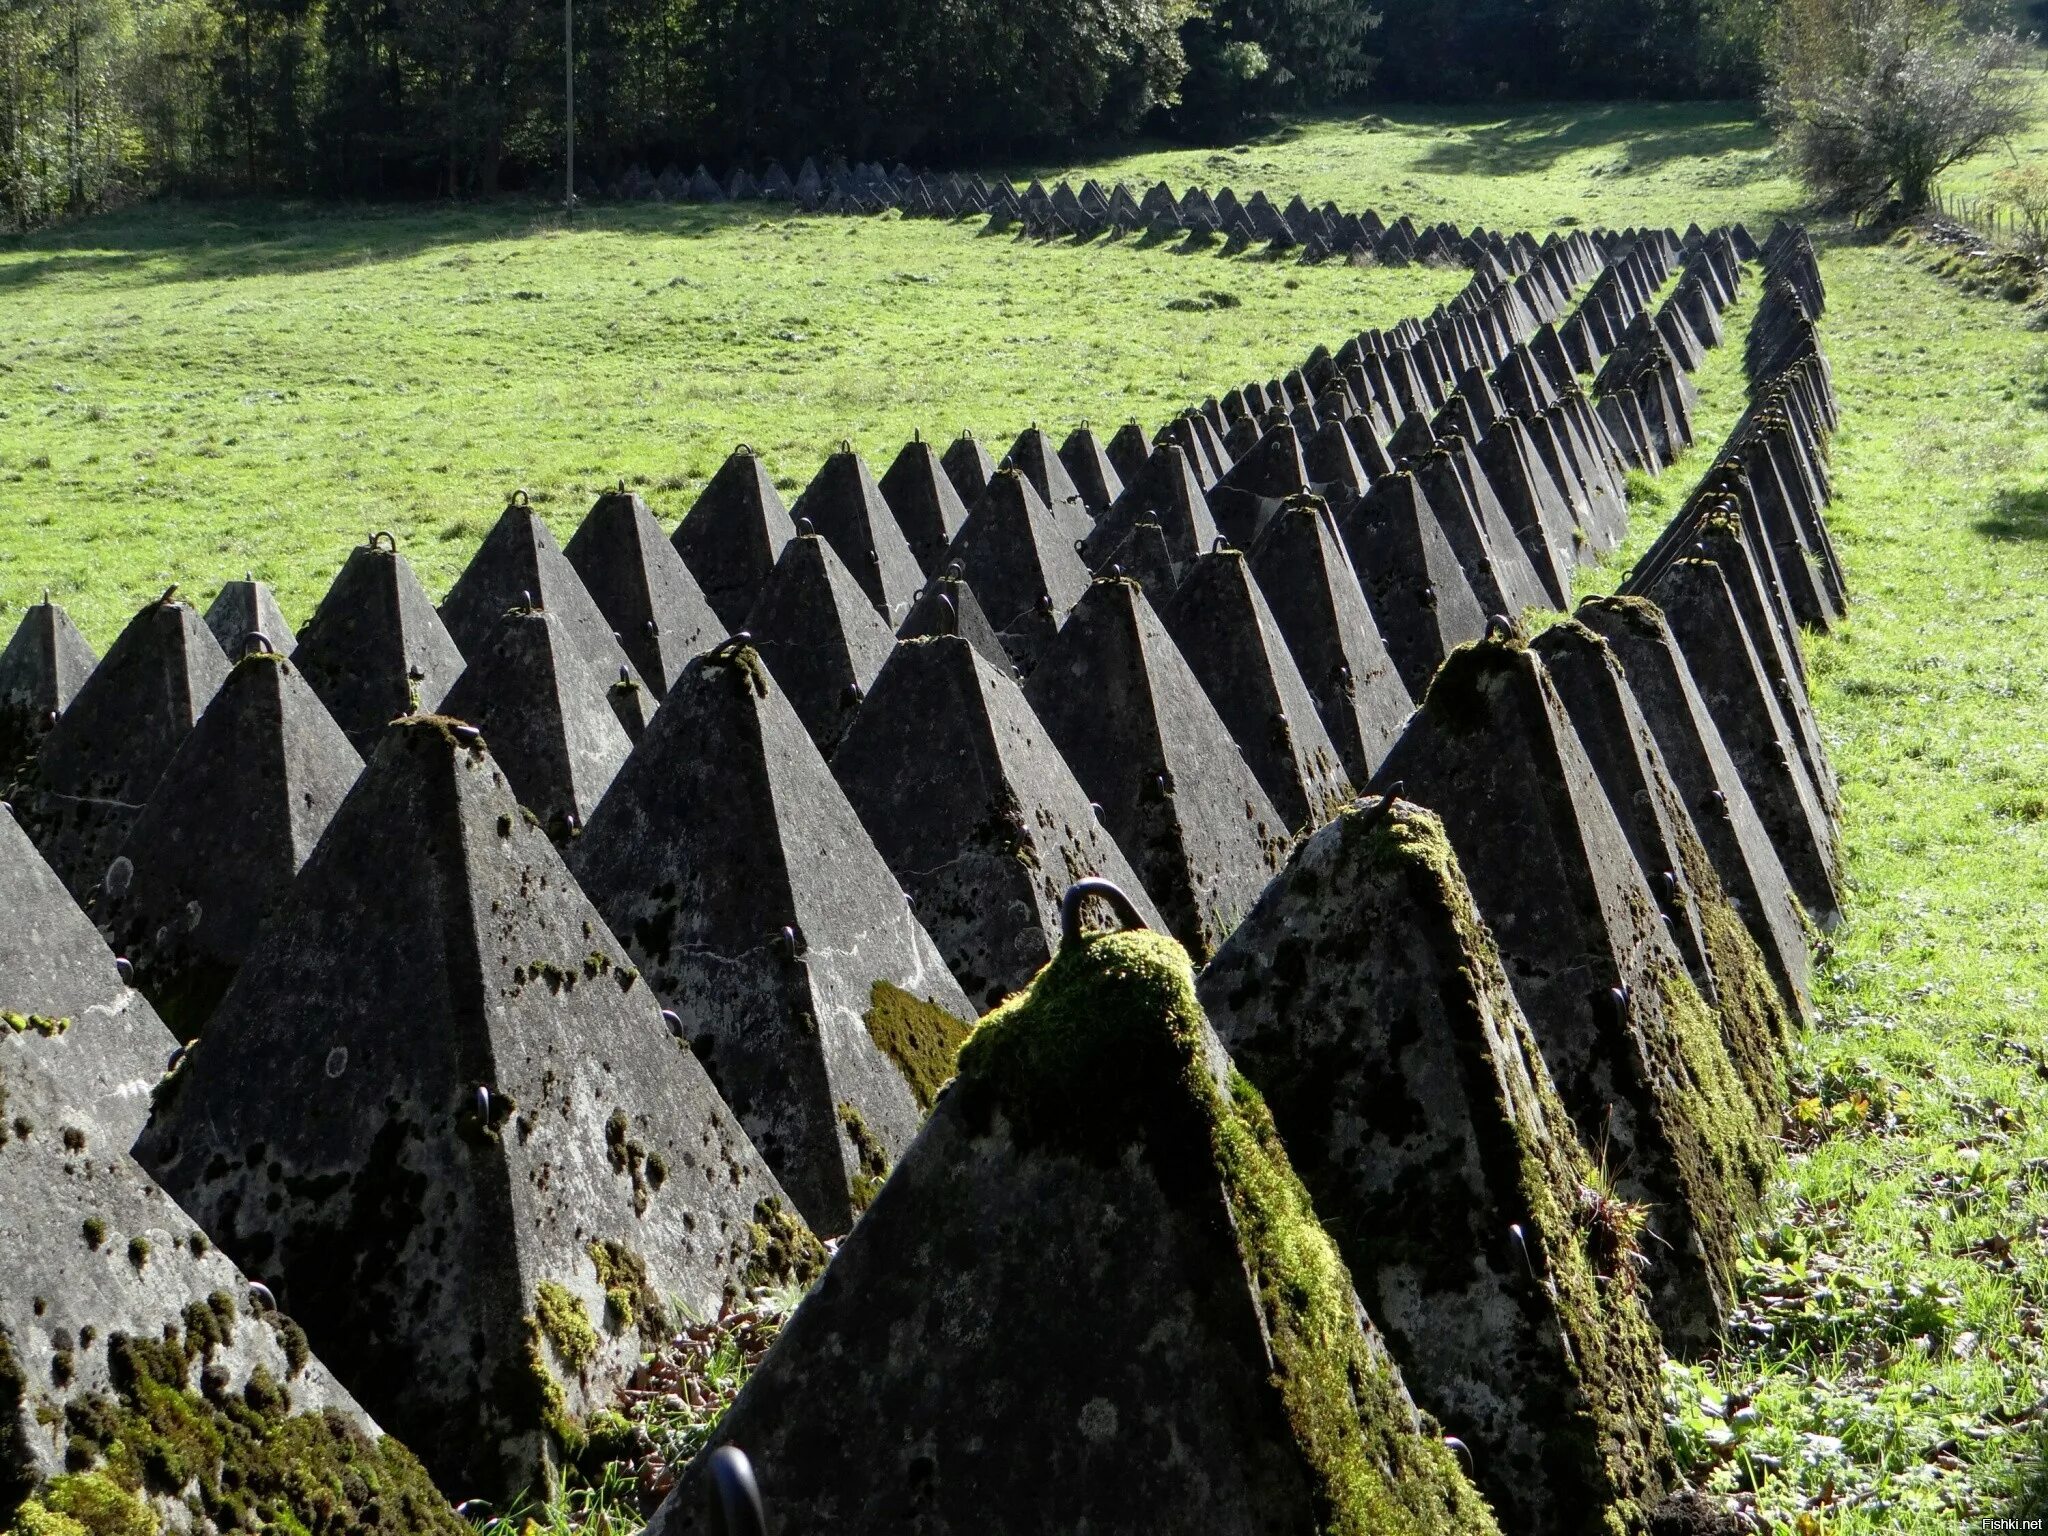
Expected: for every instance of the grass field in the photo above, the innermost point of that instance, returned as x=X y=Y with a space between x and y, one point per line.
x=188 y=391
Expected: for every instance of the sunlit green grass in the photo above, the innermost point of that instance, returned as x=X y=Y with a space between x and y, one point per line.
x=191 y=392
x=217 y=389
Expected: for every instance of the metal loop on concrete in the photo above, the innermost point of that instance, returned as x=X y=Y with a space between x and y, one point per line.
x=1076 y=897
x=735 y=1496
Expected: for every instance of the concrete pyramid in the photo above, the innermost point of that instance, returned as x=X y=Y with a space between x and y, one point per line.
x=1144 y=557
x=248 y=607
x=1751 y=573
x=1535 y=508
x=1300 y=565
x=1034 y=457
x=1725 y=964
x=1096 y=1183
x=544 y=710
x=1129 y=449
x=925 y=501
x=643 y=589
x=1697 y=760
x=1420 y=600
x=1708 y=627
x=969 y=467
x=45 y=664
x=1020 y=565
x=1493 y=558
x=1134 y=724
x=81 y=1023
x=949 y=607
x=820 y=637
x=975 y=810
x=846 y=507
x=1226 y=632
x=375 y=648
x=99 y=762
x=1245 y=499
x=443 y=1118
x=148 y=1386
x=1167 y=491
x=1089 y=467
x=214 y=851
x=1636 y=1054
x=732 y=535
x=1365 y=1000
x=519 y=565
x=756 y=905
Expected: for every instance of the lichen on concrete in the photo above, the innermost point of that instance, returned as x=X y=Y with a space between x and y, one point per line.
x=1108 y=1048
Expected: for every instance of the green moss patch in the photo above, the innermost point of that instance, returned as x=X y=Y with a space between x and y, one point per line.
x=34 y=1023
x=241 y=1460
x=919 y=1036
x=781 y=1250
x=566 y=1324
x=871 y=1158
x=1756 y=1023
x=1108 y=1047
x=630 y=1297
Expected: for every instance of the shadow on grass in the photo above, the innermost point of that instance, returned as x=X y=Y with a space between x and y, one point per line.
x=175 y=241
x=2016 y=515
x=1651 y=135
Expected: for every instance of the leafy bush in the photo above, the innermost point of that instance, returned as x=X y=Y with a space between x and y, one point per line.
x=1875 y=98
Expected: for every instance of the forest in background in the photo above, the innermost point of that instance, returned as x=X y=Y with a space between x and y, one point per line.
x=102 y=100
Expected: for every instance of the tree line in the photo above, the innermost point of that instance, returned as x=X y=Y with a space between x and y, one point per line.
x=378 y=98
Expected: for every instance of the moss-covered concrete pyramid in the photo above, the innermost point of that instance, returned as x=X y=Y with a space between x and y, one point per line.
x=1706 y=779
x=375 y=649
x=45 y=664
x=747 y=891
x=976 y=812
x=143 y=1383
x=1092 y=1296
x=731 y=536
x=1726 y=965
x=1365 y=999
x=1134 y=724
x=642 y=587
x=99 y=762
x=547 y=714
x=1225 y=630
x=65 y=1008
x=1300 y=565
x=441 y=1116
x=820 y=636
x=1636 y=1053
x=224 y=834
